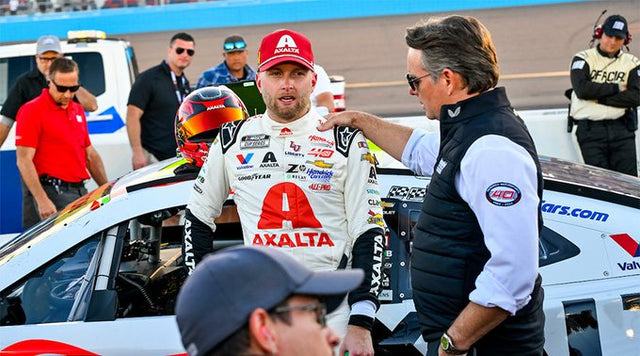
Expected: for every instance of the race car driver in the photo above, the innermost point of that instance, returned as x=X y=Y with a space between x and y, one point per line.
x=311 y=194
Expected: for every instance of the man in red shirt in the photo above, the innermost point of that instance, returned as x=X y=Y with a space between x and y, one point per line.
x=52 y=143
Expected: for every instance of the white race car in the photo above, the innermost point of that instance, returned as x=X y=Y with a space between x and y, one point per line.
x=101 y=276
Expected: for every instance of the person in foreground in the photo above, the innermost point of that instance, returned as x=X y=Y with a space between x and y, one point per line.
x=311 y=194
x=259 y=301
x=474 y=265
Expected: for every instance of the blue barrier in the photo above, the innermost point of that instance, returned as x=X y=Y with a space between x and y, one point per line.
x=11 y=193
x=227 y=13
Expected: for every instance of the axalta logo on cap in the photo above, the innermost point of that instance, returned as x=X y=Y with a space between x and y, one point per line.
x=503 y=194
x=286 y=44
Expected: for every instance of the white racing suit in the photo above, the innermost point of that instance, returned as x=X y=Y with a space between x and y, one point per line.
x=312 y=194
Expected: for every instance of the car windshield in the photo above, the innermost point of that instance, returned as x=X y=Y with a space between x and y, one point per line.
x=49 y=226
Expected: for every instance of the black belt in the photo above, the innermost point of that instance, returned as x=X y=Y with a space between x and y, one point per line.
x=605 y=122
x=59 y=183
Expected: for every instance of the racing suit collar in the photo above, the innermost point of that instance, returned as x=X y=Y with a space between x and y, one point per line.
x=308 y=122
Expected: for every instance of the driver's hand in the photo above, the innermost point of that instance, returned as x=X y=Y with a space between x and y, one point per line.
x=357 y=341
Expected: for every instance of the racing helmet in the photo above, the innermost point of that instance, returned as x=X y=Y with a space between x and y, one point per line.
x=199 y=118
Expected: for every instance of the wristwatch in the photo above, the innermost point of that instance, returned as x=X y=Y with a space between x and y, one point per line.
x=447 y=346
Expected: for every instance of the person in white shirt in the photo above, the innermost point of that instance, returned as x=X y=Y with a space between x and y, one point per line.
x=322 y=97
x=474 y=262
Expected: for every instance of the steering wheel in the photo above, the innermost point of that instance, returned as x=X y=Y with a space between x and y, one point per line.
x=64 y=293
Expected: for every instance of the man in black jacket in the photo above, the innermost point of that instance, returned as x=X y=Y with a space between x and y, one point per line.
x=474 y=263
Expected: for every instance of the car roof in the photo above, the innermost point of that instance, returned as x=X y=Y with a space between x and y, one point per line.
x=590 y=181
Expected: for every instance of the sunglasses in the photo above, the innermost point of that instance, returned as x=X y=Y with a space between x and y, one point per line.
x=229 y=46
x=414 y=81
x=318 y=308
x=63 y=89
x=190 y=52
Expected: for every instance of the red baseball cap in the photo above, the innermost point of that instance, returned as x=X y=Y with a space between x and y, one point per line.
x=284 y=46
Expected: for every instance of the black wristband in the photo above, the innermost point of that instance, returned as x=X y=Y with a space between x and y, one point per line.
x=362 y=321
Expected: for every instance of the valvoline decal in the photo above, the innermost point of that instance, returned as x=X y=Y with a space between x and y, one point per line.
x=627 y=243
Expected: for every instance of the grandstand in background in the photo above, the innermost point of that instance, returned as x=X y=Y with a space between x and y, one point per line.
x=33 y=7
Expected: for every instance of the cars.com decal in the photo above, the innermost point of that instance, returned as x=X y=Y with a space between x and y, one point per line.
x=503 y=194
x=575 y=212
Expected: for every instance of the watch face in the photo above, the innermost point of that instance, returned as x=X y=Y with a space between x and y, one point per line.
x=444 y=342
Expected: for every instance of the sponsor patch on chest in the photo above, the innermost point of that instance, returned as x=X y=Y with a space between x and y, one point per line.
x=254 y=141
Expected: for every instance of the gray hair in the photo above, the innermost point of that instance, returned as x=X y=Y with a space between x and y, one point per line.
x=460 y=43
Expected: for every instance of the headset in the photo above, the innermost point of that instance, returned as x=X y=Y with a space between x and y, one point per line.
x=597 y=32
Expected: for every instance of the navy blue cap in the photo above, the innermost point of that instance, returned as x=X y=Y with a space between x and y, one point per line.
x=227 y=286
x=616 y=26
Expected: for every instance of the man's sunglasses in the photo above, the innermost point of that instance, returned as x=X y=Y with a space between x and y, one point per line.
x=318 y=308
x=230 y=46
x=63 y=89
x=414 y=81
x=190 y=52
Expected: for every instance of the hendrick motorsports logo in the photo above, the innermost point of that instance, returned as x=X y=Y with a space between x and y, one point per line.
x=503 y=194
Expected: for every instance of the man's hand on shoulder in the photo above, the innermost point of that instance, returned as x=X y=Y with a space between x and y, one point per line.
x=357 y=341
x=345 y=118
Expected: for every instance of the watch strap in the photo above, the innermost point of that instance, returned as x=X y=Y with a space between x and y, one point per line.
x=448 y=347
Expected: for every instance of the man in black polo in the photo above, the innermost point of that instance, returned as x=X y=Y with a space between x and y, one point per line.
x=154 y=100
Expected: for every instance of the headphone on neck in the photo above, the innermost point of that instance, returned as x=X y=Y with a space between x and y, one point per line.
x=598 y=31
